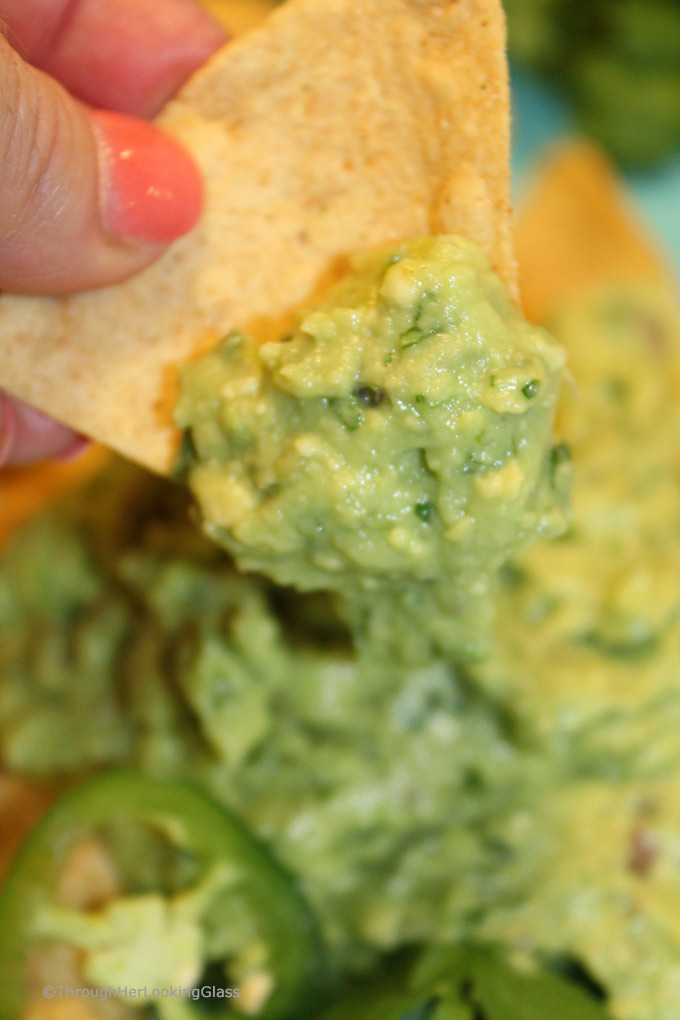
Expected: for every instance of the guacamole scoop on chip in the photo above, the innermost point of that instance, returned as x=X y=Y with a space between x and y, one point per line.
x=394 y=447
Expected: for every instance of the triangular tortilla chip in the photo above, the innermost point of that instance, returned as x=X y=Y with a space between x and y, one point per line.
x=576 y=230
x=332 y=127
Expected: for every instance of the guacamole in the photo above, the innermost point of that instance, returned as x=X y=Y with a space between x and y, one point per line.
x=394 y=447
x=587 y=646
x=586 y=631
x=415 y=790
x=399 y=795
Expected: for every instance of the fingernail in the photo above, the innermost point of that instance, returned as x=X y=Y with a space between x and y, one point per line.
x=7 y=430
x=150 y=188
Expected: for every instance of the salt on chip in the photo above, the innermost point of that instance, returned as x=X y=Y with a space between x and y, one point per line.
x=332 y=127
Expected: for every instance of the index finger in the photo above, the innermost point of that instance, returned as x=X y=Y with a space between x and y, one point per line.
x=126 y=55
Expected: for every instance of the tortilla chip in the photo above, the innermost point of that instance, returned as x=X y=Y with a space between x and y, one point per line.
x=576 y=230
x=330 y=128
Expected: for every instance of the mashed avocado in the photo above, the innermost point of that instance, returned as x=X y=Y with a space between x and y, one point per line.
x=587 y=645
x=587 y=626
x=530 y=796
x=394 y=448
x=400 y=796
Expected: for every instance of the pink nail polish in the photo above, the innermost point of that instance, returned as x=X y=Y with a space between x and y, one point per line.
x=151 y=190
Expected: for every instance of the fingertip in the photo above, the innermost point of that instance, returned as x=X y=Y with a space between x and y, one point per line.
x=128 y=55
x=26 y=435
x=75 y=444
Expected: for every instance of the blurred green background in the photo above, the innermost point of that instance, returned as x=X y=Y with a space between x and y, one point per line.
x=617 y=62
x=610 y=70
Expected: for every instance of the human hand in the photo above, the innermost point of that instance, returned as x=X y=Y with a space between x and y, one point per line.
x=89 y=196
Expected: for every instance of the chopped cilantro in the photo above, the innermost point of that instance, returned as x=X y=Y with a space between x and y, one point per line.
x=468 y=981
x=424 y=510
x=531 y=388
x=186 y=456
x=484 y=978
x=559 y=456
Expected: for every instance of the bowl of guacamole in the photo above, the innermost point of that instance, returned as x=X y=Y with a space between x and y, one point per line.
x=394 y=733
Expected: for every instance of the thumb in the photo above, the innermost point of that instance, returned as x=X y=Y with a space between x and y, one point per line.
x=86 y=197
